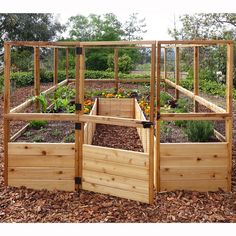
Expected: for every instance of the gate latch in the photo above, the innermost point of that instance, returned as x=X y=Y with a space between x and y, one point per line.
x=146 y=124
x=158 y=115
x=77 y=180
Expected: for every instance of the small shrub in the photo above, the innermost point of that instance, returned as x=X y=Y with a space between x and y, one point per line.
x=70 y=138
x=38 y=124
x=38 y=139
x=164 y=98
x=199 y=131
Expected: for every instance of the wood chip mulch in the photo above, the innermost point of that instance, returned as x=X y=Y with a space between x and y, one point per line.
x=26 y=205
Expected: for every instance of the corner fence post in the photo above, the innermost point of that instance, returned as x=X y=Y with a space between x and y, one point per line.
x=79 y=133
x=157 y=146
x=6 y=110
x=229 y=108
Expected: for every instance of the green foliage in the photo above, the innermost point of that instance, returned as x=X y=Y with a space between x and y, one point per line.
x=22 y=60
x=199 y=131
x=164 y=98
x=182 y=107
x=38 y=124
x=38 y=139
x=70 y=138
x=107 y=27
x=42 y=102
x=28 y=27
x=125 y=64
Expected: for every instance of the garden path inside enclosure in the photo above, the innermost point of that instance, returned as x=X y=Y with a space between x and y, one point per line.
x=26 y=205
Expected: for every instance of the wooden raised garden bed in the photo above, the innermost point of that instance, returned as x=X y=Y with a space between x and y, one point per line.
x=123 y=173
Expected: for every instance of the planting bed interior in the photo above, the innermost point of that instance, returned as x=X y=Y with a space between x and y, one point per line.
x=115 y=141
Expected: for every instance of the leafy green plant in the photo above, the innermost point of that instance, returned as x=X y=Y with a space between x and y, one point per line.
x=56 y=132
x=164 y=98
x=199 y=131
x=70 y=138
x=38 y=124
x=42 y=102
x=38 y=139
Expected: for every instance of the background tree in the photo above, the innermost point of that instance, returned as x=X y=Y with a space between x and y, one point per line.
x=27 y=27
x=106 y=27
x=206 y=26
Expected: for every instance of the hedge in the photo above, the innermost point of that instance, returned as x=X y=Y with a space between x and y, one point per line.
x=27 y=78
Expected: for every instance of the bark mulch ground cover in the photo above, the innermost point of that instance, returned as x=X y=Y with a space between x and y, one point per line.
x=27 y=205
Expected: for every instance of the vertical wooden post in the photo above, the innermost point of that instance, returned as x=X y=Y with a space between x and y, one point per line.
x=55 y=77
x=229 y=121
x=116 y=68
x=177 y=72
x=151 y=133
x=77 y=146
x=158 y=108
x=6 y=110
x=196 y=76
x=67 y=63
x=37 y=75
x=79 y=133
x=165 y=67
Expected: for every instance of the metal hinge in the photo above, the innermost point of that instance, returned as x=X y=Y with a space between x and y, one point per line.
x=78 y=126
x=158 y=115
x=78 y=50
x=146 y=124
x=78 y=180
x=78 y=106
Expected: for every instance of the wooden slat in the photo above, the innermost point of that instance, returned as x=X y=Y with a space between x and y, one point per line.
x=116 y=107
x=192 y=173
x=65 y=185
x=114 y=181
x=194 y=185
x=19 y=133
x=41 y=149
x=200 y=42
x=111 y=120
x=194 y=149
x=23 y=160
x=115 y=155
x=193 y=116
x=219 y=136
x=116 y=169
x=115 y=192
x=43 y=116
x=43 y=173
x=114 y=43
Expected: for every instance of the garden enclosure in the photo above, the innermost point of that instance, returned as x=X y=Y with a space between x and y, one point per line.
x=123 y=173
